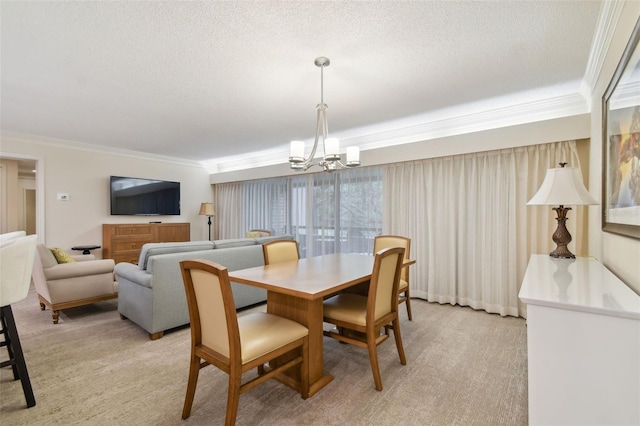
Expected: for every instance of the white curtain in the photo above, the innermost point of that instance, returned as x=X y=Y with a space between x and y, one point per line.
x=472 y=233
x=228 y=203
x=337 y=212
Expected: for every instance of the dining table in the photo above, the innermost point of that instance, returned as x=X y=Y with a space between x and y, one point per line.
x=296 y=289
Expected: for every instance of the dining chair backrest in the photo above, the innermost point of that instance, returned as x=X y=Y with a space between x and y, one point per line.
x=280 y=251
x=384 y=282
x=214 y=322
x=16 y=266
x=384 y=241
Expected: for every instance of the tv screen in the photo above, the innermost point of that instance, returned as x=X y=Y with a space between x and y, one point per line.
x=147 y=197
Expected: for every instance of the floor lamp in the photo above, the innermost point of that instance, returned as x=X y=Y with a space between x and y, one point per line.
x=206 y=209
x=562 y=186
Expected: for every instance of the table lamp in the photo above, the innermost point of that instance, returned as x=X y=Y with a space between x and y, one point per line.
x=562 y=186
x=206 y=209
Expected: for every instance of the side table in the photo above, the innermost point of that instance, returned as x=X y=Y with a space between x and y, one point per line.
x=85 y=249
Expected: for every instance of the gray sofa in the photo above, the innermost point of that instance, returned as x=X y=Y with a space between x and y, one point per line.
x=151 y=293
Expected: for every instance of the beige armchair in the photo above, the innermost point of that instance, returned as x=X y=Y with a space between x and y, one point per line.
x=67 y=285
x=257 y=233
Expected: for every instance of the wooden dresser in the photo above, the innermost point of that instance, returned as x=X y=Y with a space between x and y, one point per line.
x=122 y=242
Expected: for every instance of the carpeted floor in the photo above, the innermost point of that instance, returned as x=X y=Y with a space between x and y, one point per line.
x=464 y=368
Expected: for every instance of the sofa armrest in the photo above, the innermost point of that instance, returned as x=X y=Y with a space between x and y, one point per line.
x=79 y=269
x=83 y=257
x=133 y=273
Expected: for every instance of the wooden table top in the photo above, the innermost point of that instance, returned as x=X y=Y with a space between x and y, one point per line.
x=310 y=278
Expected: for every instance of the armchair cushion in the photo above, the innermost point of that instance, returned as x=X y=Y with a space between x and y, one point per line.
x=61 y=256
x=79 y=269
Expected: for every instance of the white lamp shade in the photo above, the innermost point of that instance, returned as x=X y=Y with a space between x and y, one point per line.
x=562 y=186
x=331 y=147
x=206 y=209
x=353 y=154
x=297 y=149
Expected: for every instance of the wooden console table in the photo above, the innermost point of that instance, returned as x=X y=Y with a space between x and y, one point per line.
x=122 y=242
x=583 y=333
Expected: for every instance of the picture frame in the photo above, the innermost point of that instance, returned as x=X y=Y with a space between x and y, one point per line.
x=621 y=144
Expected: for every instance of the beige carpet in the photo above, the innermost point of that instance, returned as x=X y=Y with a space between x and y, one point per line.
x=464 y=368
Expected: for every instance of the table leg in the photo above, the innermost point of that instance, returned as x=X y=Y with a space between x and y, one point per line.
x=309 y=314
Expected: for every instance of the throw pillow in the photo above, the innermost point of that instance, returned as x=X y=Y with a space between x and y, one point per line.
x=61 y=256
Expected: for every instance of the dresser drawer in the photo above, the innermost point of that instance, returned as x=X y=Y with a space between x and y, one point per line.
x=129 y=244
x=132 y=230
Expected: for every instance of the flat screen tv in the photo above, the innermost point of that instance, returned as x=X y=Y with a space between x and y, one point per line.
x=145 y=197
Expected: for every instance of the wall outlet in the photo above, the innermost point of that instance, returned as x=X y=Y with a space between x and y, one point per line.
x=63 y=197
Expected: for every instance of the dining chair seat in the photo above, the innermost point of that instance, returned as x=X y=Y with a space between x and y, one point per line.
x=261 y=333
x=347 y=307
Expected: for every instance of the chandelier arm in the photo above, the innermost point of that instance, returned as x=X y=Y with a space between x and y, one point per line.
x=322 y=124
x=315 y=143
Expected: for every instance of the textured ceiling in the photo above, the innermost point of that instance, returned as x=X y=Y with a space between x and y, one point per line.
x=202 y=80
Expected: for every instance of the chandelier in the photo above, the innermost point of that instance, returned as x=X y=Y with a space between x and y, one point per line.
x=330 y=146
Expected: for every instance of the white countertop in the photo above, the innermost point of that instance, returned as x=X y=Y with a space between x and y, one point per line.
x=581 y=284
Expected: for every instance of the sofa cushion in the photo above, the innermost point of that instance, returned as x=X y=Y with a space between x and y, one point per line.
x=267 y=239
x=61 y=256
x=240 y=242
x=153 y=249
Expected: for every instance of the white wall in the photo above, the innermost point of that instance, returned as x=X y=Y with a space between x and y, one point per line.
x=620 y=254
x=84 y=175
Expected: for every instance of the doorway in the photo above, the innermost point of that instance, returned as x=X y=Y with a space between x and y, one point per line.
x=21 y=194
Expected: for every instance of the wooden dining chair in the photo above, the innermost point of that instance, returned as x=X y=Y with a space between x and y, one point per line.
x=359 y=318
x=280 y=251
x=236 y=344
x=383 y=241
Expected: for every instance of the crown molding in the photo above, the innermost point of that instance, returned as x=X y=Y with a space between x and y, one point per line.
x=610 y=12
x=424 y=128
x=61 y=143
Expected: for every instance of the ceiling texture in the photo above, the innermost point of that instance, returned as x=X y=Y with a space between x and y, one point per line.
x=230 y=81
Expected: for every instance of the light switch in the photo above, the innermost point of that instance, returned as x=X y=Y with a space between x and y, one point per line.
x=63 y=197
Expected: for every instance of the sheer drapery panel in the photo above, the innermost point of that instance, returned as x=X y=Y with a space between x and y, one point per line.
x=472 y=232
x=338 y=212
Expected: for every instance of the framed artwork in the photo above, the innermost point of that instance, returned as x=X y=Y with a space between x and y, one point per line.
x=621 y=145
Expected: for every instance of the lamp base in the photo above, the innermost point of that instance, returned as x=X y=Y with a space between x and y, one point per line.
x=562 y=237
x=562 y=252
